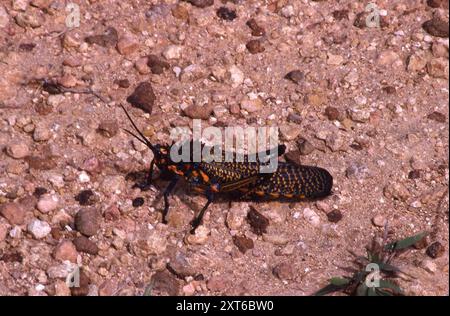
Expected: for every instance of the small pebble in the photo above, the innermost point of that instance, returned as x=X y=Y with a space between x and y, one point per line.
x=435 y=250
x=243 y=243
x=255 y=46
x=257 y=221
x=252 y=106
x=172 y=52
x=226 y=14
x=13 y=212
x=180 y=12
x=86 y=197
x=429 y=266
x=47 y=203
x=65 y=250
x=305 y=147
x=41 y=133
x=194 y=111
x=334 y=216
x=436 y=27
x=122 y=83
x=414 y=174
x=437 y=116
x=127 y=45
x=199 y=237
x=332 y=113
x=311 y=217
x=289 y=131
x=83 y=177
x=17 y=150
x=157 y=65
x=379 y=220
x=39 y=229
x=87 y=221
x=137 y=202
x=143 y=97
x=83 y=244
x=256 y=29
x=295 y=76
x=236 y=76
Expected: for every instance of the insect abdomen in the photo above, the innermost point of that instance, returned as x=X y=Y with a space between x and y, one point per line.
x=294 y=181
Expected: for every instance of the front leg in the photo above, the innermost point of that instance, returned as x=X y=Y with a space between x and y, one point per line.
x=145 y=186
x=198 y=220
x=167 y=192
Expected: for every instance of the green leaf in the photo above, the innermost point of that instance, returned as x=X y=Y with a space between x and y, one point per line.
x=339 y=281
x=389 y=285
x=361 y=290
x=330 y=288
x=405 y=243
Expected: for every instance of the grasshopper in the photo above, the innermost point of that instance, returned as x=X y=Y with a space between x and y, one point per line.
x=238 y=180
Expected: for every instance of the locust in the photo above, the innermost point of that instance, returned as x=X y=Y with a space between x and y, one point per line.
x=235 y=180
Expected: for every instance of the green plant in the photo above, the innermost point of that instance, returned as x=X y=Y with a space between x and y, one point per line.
x=375 y=272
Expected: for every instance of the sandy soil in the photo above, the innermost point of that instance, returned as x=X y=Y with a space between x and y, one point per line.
x=369 y=104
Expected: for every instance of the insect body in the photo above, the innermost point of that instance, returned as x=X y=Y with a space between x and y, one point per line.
x=241 y=180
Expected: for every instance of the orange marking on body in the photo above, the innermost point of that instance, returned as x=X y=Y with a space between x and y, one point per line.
x=215 y=188
x=243 y=189
x=289 y=196
x=175 y=170
x=274 y=195
x=260 y=193
x=204 y=176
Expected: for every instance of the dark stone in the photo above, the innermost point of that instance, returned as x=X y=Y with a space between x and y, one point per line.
x=226 y=14
x=137 y=202
x=243 y=243
x=334 y=216
x=257 y=221
x=295 y=76
x=39 y=191
x=157 y=65
x=435 y=250
x=143 y=97
x=86 y=197
x=436 y=27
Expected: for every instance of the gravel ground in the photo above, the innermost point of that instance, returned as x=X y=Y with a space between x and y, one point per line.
x=369 y=104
